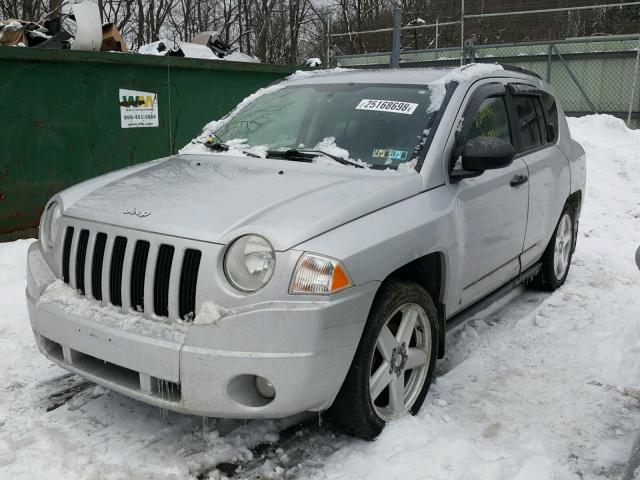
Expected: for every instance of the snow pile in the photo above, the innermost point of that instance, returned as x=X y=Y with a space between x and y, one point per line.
x=211 y=312
x=408 y=167
x=313 y=62
x=61 y=295
x=328 y=145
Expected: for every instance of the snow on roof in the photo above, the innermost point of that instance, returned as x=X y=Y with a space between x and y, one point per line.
x=409 y=76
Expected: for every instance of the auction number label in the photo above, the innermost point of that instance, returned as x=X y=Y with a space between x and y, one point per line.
x=391 y=106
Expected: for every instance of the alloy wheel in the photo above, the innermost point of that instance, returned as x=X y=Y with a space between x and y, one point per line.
x=400 y=362
x=562 y=247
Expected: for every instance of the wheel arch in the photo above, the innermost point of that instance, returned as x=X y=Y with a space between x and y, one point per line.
x=428 y=271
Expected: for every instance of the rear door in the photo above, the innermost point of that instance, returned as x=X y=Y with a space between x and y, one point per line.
x=547 y=167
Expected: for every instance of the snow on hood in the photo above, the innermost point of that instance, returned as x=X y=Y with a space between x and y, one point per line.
x=215 y=198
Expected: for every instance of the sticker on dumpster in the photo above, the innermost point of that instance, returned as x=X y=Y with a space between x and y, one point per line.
x=138 y=109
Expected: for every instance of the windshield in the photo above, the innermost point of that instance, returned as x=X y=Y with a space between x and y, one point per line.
x=380 y=125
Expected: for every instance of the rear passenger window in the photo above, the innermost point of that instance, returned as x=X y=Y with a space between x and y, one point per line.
x=551 y=113
x=491 y=120
x=527 y=122
x=544 y=130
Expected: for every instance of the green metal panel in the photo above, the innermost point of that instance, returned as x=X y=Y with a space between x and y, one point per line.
x=61 y=117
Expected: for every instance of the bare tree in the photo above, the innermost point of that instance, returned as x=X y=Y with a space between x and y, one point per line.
x=288 y=31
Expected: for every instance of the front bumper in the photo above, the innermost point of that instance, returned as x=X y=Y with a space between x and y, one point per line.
x=304 y=348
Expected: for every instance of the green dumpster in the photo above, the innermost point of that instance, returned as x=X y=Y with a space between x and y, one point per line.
x=71 y=115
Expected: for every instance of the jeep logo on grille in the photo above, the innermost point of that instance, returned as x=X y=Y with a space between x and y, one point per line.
x=135 y=211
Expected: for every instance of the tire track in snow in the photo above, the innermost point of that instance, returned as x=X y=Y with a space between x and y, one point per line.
x=65 y=389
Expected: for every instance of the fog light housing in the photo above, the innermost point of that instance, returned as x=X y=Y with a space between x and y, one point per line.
x=265 y=387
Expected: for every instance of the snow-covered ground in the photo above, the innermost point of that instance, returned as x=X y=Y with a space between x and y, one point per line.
x=537 y=387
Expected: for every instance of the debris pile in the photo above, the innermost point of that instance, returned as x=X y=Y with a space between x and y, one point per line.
x=206 y=45
x=79 y=30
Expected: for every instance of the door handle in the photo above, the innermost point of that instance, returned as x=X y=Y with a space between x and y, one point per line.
x=519 y=180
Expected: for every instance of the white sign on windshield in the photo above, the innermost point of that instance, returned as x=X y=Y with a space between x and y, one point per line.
x=392 y=106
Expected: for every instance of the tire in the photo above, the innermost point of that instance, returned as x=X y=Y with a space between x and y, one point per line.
x=556 y=259
x=405 y=367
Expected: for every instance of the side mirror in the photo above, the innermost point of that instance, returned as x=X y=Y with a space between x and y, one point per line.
x=486 y=153
x=483 y=153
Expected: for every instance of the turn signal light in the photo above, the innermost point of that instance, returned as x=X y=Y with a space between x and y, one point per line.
x=319 y=275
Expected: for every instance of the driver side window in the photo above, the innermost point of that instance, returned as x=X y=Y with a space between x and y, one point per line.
x=490 y=120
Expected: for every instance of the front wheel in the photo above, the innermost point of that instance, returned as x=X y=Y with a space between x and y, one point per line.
x=394 y=363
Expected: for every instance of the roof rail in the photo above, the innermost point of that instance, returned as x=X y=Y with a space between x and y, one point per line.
x=514 y=68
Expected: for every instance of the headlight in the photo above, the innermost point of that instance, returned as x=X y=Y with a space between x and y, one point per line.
x=319 y=275
x=50 y=224
x=249 y=263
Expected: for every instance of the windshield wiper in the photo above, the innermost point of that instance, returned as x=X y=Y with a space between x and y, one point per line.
x=308 y=154
x=223 y=147
x=217 y=146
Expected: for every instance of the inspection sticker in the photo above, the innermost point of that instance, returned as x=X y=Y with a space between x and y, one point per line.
x=390 y=154
x=392 y=106
x=138 y=109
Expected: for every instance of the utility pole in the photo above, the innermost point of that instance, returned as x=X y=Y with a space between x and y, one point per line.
x=395 y=52
x=328 y=42
x=462 y=34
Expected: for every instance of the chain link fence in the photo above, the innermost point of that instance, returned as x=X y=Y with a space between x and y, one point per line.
x=594 y=74
x=589 y=75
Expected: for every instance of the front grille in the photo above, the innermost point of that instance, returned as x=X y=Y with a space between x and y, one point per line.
x=138 y=269
x=81 y=257
x=124 y=265
x=66 y=254
x=161 y=280
x=117 y=264
x=188 y=278
x=96 y=265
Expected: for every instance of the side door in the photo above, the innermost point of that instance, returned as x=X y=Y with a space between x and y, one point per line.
x=548 y=168
x=492 y=206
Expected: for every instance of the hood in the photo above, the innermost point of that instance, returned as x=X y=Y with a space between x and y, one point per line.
x=216 y=198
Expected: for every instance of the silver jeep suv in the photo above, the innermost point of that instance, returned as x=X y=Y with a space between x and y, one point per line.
x=310 y=250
